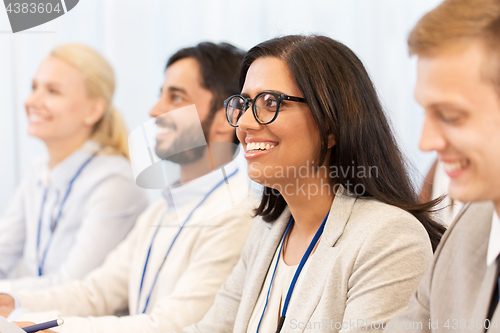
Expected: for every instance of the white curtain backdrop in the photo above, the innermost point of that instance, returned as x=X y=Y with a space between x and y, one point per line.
x=138 y=36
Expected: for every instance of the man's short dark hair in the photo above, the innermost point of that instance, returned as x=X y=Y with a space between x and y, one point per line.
x=219 y=65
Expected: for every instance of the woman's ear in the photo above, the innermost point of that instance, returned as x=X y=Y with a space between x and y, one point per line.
x=331 y=140
x=95 y=112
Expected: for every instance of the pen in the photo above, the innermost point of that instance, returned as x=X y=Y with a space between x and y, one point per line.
x=43 y=326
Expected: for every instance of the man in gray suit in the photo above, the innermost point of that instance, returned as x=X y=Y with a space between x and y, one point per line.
x=458 y=85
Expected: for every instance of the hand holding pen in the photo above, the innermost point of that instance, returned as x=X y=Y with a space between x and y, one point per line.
x=31 y=327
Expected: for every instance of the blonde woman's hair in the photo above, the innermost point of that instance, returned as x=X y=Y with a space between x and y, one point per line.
x=110 y=131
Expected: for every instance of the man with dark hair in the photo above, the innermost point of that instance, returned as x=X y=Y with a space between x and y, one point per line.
x=458 y=85
x=166 y=276
x=217 y=76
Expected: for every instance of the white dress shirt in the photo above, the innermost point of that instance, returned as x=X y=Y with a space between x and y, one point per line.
x=494 y=244
x=99 y=211
x=201 y=259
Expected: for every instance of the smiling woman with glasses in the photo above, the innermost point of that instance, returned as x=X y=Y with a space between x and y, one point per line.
x=340 y=240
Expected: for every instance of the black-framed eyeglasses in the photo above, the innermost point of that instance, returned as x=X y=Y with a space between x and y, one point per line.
x=265 y=106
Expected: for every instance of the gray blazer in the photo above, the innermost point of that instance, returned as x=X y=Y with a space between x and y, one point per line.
x=366 y=266
x=454 y=294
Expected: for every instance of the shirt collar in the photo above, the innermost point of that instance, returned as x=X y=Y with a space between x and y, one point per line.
x=64 y=171
x=178 y=196
x=494 y=244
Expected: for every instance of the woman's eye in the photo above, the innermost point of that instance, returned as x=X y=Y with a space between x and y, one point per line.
x=450 y=118
x=54 y=91
x=270 y=102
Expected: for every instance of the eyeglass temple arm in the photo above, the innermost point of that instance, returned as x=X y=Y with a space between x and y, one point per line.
x=294 y=99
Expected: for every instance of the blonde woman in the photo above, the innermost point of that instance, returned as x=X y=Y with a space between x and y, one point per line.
x=76 y=204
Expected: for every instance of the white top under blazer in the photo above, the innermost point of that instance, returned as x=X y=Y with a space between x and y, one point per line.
x=99 y=211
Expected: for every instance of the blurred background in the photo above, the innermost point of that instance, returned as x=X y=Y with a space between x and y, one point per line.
x=137 y=37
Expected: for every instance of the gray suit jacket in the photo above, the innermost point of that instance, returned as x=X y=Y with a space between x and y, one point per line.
x=455 y=293
x=365 y=268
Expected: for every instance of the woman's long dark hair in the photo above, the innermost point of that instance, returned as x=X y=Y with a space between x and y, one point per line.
x=343 y=101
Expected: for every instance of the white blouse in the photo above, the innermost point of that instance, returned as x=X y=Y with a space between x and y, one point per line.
x=100 y=209
x=282 y=279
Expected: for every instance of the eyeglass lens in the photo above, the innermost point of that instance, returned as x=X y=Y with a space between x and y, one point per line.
x=266 y=107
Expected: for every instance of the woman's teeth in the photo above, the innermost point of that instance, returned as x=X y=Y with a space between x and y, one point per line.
x=453 y=167
x=35 y=118
x=257 y=146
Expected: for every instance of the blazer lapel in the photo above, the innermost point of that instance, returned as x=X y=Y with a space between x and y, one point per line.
x=483 y=298
x=310 y=286
x=485 y=293
x=259 y=269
